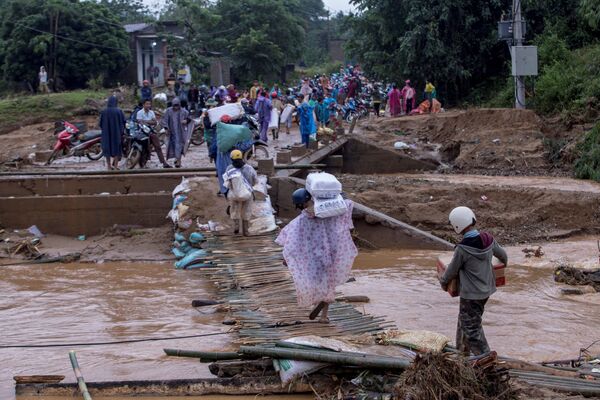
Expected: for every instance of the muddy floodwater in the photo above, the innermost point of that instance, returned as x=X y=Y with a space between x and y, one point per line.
x=79 y=304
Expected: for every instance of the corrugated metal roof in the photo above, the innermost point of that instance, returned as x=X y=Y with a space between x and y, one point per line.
x=130 y=28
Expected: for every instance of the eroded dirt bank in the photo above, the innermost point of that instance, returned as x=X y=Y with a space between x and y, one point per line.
x=482 y=141
x=513 y=209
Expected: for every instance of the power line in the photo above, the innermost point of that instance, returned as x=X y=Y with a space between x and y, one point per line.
x=37 y=346
x=68 y=38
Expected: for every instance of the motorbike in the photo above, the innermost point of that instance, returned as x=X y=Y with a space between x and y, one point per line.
x=139 y=146
x=72 y=140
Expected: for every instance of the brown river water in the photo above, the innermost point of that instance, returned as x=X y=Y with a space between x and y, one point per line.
x=83 y=303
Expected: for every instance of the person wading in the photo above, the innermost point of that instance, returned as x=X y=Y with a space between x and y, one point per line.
x=175 y=121
x=112 y=124
x=472 y=264
x=239 y=178
x=146 y=116
x=319 y=253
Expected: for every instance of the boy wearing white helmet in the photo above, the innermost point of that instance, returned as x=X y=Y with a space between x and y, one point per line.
x=472 y=265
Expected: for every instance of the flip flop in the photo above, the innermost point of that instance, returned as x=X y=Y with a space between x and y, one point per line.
x=317 y=310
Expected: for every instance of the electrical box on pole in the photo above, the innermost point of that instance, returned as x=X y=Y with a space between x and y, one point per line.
x=524 y=60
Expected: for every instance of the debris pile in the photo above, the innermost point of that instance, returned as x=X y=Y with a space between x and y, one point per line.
x=435 y=376
x=577 y=277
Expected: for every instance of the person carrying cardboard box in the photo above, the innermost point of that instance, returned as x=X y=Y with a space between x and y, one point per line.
x=472 y=265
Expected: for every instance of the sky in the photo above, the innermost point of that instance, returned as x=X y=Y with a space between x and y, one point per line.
x=333 y=5
x=339 y=5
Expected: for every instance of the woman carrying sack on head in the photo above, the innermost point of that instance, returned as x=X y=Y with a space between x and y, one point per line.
x=239 y=178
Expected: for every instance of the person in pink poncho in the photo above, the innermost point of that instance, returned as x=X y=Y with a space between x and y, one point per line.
x=394 y=99
x=319 y=253
x=408 y=94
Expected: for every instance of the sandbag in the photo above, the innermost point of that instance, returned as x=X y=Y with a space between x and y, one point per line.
x=193 y=257
x=234 y=110
x=322 y=185
x=229 y=135
x=239 y=188
x=274 y=122
x=326 y=208
x=287 y=112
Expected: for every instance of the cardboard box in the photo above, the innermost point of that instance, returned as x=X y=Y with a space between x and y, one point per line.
x=453 y=286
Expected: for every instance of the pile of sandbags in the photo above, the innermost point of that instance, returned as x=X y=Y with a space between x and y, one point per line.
x=326 y=191
x=195 y=204
x=189 y=252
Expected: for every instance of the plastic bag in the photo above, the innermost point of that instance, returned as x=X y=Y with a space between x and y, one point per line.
x=326 y=208
x=322 y=185
x=274 y=122
x=183 y=187
x=234 y=110
x=239 y=188
x=229 y=135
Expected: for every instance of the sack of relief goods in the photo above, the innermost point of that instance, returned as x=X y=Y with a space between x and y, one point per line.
x=325 y=208
x=322 y=185
x=454 y=285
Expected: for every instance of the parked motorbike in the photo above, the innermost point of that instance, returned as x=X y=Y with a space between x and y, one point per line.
x=72 y=140
x=139 y=147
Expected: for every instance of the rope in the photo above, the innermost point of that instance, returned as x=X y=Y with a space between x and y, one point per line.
x=37 y=346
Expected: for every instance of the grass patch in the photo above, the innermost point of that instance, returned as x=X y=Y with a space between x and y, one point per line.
x=587 y=165
x=51 y=107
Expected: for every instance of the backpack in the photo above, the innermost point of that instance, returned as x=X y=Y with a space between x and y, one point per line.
x=239 y=188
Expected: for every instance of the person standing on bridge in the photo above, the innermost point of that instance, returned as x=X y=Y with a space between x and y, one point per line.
x=239 y=178
x=319 y=253
x=472 y=264
x=176 y=122
x=112 y=124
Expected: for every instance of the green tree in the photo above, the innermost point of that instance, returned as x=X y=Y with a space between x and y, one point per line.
x=75 y=40
x=278 y=23
x=590 y=11
x=453 y=43
x=128 y=11
x=256 y=55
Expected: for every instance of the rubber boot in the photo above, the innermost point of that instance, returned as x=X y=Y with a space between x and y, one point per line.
x=245 y=226
x=236 y=227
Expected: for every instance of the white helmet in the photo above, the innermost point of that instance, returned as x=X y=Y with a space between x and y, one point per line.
x=461 y=218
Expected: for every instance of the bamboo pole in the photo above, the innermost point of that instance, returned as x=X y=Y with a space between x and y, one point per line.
x=80 y=381
x=338 y=358
x=204 y=355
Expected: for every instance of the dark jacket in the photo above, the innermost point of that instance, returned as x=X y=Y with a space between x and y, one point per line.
x=146 y=93
x=472 y=263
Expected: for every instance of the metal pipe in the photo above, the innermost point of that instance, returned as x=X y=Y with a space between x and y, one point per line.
x=80 y=381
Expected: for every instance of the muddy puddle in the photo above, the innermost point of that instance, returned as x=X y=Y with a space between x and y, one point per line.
x=83 y=303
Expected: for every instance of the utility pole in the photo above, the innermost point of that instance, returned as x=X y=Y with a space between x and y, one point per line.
x=518 y=41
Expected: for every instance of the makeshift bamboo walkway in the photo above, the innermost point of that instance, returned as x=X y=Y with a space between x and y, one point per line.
x=252 y=281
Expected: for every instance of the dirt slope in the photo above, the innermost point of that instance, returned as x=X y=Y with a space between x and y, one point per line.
x=484 y=141
x=513 y=213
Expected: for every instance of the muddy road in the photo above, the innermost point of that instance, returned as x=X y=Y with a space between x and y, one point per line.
x=89 y=303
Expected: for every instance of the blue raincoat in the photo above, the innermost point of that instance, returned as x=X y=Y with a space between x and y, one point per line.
x=112 y=124
x=307 y=122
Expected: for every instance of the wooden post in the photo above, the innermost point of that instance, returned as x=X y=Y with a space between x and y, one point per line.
x=284 y=157
x=266 y=167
